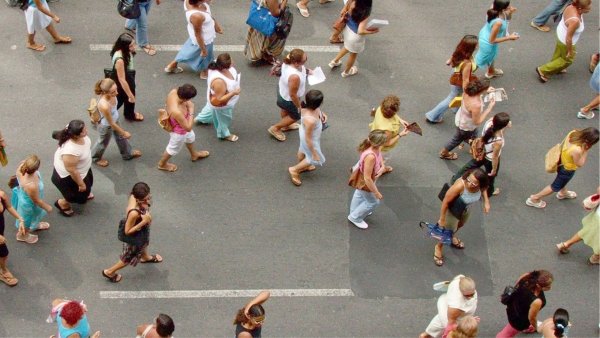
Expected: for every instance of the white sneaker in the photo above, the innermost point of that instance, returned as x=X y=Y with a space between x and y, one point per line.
x=361 y=225
x=582 y=115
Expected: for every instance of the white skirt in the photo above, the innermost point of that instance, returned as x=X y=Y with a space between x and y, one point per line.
x=353 y=42
x=35 y=19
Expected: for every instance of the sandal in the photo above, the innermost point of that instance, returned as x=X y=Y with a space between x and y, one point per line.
x=63 y=40
x=170 y=167
x=496 y=192
x=458 y=244
x=64 y=212
x=562 y=248
x=200 y=155
x=332 y=64
x=278 y=135
x=568 y=195
x=295 y=177
x=439 y=261
x=175 y=70
x=153 y=259
x=231 y=138
x=338 y=40
x=541 y=76
x=36 y=47
x=449 y=156
x=352 y=71
x=293 y=126
x=309 y=168
x=102 y=163
x=541 y=28
x=594 y=260
x=387 y=170
x=8 y=279
x=303 y=11
x=29 y=239
x=90 y=197
x=540 y=204
x=42 y=226
x=138 y=118
x=149 y=49
x=135 y=154
x=114 y=278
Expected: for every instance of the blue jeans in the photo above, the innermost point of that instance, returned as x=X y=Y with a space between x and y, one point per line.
x=563 y=176
x=362 y=204
x=140 y=25
x=437 y=113
x=553 y=8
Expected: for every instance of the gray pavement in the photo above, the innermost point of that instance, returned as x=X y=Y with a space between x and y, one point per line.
x=234 y=221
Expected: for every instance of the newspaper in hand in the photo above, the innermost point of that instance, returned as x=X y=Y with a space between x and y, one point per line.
x=499 y=94
x=377 y=23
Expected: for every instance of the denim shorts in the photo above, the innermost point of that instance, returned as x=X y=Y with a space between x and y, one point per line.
x=563 y=176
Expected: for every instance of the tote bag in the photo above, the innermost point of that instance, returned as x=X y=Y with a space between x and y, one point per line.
x=261 y=19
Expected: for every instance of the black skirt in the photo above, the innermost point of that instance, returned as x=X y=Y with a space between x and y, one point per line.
x=70 y=190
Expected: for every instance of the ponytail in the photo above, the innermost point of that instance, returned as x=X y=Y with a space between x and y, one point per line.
x=376 y=138
x=103 y=86
x=296 y=55
x=561 y=322
x=492 y=14
x=499 y=122
x=30 y=165
x=72 y=130
x=223 y=61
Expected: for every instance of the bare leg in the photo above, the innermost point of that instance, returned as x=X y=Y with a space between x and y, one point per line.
x=572 y=240
x=284 y=122
x=113 y=269
x=340 y=54
x=593 y=104
x=196 y=155
x=55 y=36
x=172 y=65
x=351 y=61
x=545 y=192
x=164 y=161
x=64 y=204
x=300 y=167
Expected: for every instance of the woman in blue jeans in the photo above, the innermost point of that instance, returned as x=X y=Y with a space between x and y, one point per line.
x=461 y=62
x=371 y=167
x=139 y=26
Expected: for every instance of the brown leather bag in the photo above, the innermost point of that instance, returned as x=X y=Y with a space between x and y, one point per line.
x=456 y=77
x=357 y=180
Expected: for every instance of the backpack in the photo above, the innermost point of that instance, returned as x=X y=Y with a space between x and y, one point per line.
x=478 y=149
x=164 y=120
x=93 y=112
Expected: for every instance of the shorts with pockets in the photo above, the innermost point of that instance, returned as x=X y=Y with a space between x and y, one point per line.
x=177 y=141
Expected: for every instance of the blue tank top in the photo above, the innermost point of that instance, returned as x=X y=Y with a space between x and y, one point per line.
x=83 y=328
x=353 y=25
x=470 y=197
x=114 y=113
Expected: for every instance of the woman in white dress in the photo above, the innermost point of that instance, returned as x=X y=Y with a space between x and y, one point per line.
x=38 y=16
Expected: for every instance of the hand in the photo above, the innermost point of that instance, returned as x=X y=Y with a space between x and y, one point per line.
x=131 y=99
x=530 y=329
x=448 y=62
x=147 y=217
x=126 y=135
x=97 y=333
x=378 y=195
x=323 y=118
x=157 y=3
x=56 y=19
x=237 y=91
x=2 y=143
x=21 y=231
x=373 y=30
x=48 y=208
x=204 y=52
x=2 y=240
x=219 y=29
x=486 y=207
x=514 y=36
x=492 y=173
x=404 y=132
x=492 y=101
x=81 y=187
x=477 y=318
x=441 y=222
x=570 y=54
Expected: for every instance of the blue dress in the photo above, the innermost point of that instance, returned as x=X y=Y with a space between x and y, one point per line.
x=488 y=51
x=316 y=140
x=82 y=328
x=31 y=213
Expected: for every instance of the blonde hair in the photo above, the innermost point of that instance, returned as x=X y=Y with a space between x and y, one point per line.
x=588 y=136
x=376 y=139
x=103 y=86
x=30 y=165
x=466 y=327
x=466 y=284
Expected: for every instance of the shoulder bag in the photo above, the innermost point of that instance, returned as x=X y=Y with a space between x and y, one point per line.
x=553 y=157
x=139 y=238
x=456 y=77
x=129 y=9
x=261 y=19
x=457 y=207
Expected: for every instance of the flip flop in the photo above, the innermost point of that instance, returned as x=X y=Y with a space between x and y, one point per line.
x=309 y=168
x=387 y=170
x=439 y=261
x=64 y=212
x=335 y=41
x=458 y=244
x=102 y=163
x=137 y=118
x=202 y=154
x=295 y=177
x=113 y=279
x=43 y=226
x=278 y=135
x=175 y=70
x=170 y=168
x=562 y=248
x=450 y=156
x=541 y=76
x=65 y=40
x=541 y=28
x=303 y=11
x=569 y=195
x=149 y=49
x=231 y=138
x=37 y=48
x=135 y=154
x=540 y=205
x=9 y=279
x=293 y=126
x=155 y=259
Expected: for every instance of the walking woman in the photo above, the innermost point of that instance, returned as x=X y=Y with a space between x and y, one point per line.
x=139 y=26
x=568 y=31
x=72 y=173
x=137 y=225
x=370 y=166
x=557 y=326
x=197 y=51
x=462 y=63
x=493 y=142
x=109 y=125
x=28 y=199
x=249 y=320
x=573 y=154
x=495 y=31
x=589 y=232
x=354 y=36
x=5 y=275
x=122 y=55
x=311 y=126
x=163 y=327
x=38 y=16
x=71 y=319
x=470 y=188
x=470 y=115
x=292 y=86
x=261 y=47
x=386 y=118
x=526 y=302
x=222 y=94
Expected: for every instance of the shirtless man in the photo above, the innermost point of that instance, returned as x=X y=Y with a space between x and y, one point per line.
x=181 y=110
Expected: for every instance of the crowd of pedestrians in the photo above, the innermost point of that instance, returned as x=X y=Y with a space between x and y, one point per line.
x=300 y=109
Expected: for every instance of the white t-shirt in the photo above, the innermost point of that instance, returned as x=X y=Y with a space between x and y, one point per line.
x=83 y=151
x=455 y=299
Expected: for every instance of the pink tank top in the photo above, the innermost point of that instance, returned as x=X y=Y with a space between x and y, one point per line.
x=378 y=161
x=177 y=128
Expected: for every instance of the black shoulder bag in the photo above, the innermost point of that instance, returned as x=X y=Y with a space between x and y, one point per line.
x=457 y=207
x=139 y=238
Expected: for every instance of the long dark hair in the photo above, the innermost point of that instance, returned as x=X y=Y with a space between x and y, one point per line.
x=481 y=177
x=362 y=10
x=499 y=122
x=464 y=50
x=561 y=321
x=223 y=61
x=72 y=130
x=536 y=278
x=497 y=8
x=122 y=44
x=255 y=311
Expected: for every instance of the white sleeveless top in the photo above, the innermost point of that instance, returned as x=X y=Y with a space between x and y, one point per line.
x=231 y=86
x=284 y=87
x=561 y=30
x=464 y=119
x=489 y=147
x=208 y=26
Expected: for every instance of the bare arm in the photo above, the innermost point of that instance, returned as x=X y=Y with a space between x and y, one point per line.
x=309 y=126
x=197 y=19
x=368 y=167
x=41 y=8
x=496 y=147
x=477 y=116
x=34 y=193
x=121 y=77
x=572 y=26
x=453 y=315
x=259 y=299
x=294 y=84
x=534 y=309
x=104 y=108
x=132 y=216
x=363 y=30
x=466 y=73
x=494 y=34
x=221 y=96
x=273 y=6
x=452 y=194
x=185 y=123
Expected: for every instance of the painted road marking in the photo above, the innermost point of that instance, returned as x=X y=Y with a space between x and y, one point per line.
x=223 y=48
x=226 y=293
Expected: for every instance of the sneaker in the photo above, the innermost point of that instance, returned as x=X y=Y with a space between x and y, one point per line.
x=588 y=116
x=360 y=225
x=497 y=72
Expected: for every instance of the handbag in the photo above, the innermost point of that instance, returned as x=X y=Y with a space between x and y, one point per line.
x=507 y=294
x=457 y=207
x=357 y=180
x=139 y=238
x=3 y=157
x=456 y=77
x=261 y=19
x=284 y=23
x=442 y=235
x=552 y=158
x=129 y=9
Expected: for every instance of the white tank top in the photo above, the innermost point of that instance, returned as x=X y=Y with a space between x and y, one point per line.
x=464 y=119
x=231 y=86
x=561 y=30
x=208 y=26
x=489 y=147
x=284 y=87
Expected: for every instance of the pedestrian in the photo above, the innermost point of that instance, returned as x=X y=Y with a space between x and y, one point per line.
x=197 y=51
x=292 y=86
x=261 y=47
x=492 y=138
x=181 y=109
x=470 y=115
x=249 y=320
x=354 y=36
x=370 y=166
x=495 y=31
x=163 y=327
x=139 y=26
x=137 y=226
x=312 y=122
x=573 y=154
x=222 y=94
x=470 y=188
x=302 y=6
x=557 y=326
x=466 y=327
x=526 y=302
x=28 y=200
x=5 y=275
x=109 y=125
x=568 y=31
x=459 y=301
x=586 y=112
x=386 y=118
x=340 y=24
x=71 y=319
x=72 y=174
x=554 y=8
x=38 y=16
x=589 y=232
x=123 y=71
x=462 y=63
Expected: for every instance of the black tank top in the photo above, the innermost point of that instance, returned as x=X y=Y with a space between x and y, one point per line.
x=2 y=217
x=255 y=333
x=518 y=309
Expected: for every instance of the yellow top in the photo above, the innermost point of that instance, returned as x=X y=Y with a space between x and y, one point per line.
x=566 y=159
x=382 y=123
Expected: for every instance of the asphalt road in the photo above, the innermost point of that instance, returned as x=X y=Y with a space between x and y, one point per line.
x=234 y=221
